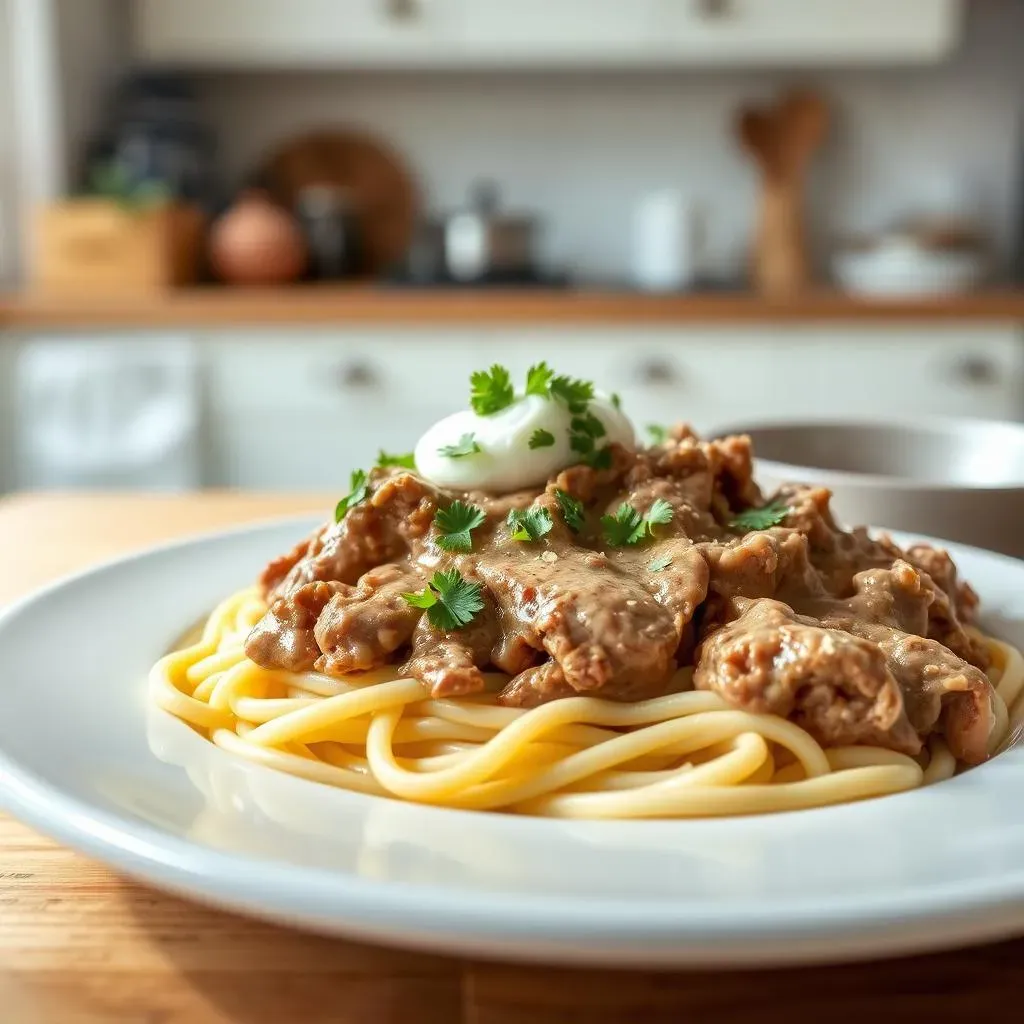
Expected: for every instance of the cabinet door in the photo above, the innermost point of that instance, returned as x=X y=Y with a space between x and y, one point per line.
x=793 y=31
x=301 y=412
x=293 y=32
x=566 y=31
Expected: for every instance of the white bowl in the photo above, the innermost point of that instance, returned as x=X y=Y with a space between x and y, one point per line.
x=903 y=269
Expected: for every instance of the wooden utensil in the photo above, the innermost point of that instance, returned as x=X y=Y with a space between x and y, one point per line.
x=782 y=139
x=381 y=189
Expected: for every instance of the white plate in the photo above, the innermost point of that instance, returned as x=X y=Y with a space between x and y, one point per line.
x=85 y=759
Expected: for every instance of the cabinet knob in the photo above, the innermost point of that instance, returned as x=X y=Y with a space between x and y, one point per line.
x=402 y=10
x=713 y=8
x=658 y=373
x=356 y=377
x=976 y=371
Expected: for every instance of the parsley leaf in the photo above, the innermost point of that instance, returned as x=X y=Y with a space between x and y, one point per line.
x=466 y=445
x=572 y=510
x=575 y=393
x=616 y=400
x=538 y=380
x=660 y=563
x=627 y=526
x=659 y=434
x=760 y=518
x=450 y=601
x=407 y=461
x=529 y=523
x=601 y=459
x=455 y=524
x=541 y=438
x=491 y=391
x=358 y=492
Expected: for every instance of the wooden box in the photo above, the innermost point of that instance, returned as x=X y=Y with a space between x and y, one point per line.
x=100 y=246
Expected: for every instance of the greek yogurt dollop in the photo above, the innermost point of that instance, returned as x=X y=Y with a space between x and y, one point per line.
x=506 y=462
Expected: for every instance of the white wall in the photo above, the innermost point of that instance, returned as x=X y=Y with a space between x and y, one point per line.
x=8 y=155
x=582 y=148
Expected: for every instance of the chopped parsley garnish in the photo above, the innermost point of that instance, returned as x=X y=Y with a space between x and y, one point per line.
x=659 y=434
x=760 y=518
x=491 y=391
x=572 y=510
x=466 y=445
x=529 y=523
x=660 y=563
x=575 y=393
x=541 y=438
x=538 y=380
x=358 y=491
x=456 y=523
x=628 y=527
x=450 y=601
x=601 y=459
x=616 y=401
x=384 y=460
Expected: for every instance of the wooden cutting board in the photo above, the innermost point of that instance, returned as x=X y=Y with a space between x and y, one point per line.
x=80 y=945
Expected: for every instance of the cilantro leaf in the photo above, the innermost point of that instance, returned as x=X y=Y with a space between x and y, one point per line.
x=601 y=459
x=455 y=525
x=582 y=443
x=760 y=518
x=660 y=563
x=541 y=438
x=466 y=445
x=538 y=380
x=451 y=602
x=574 y=393
x=659 y=434
x=587 y=424
x=384 y=460
x=616 y=400
x=425 y=598
x=529 y=523
x=358 y=492
x=659 y=513
x=491 y=391
x=625 y=527
x=572 y=510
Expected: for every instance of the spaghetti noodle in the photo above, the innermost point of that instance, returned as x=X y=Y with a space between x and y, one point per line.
x=687 y=754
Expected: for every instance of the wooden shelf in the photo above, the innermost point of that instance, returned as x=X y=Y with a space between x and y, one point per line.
x=378 y=304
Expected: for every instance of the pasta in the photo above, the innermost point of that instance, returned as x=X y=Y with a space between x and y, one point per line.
x=686 y=754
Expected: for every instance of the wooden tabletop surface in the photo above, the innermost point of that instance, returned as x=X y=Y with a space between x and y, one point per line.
x=80 y=945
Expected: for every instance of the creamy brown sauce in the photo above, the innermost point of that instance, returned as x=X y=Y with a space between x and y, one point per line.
x=849 y=636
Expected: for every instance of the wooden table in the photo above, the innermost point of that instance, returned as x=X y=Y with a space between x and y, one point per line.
x=80 y=945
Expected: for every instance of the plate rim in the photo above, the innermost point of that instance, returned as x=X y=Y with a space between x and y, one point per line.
x=494 y=923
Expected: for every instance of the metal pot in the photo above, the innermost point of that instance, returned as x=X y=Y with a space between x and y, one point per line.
x=955 y=479
x=480 y=242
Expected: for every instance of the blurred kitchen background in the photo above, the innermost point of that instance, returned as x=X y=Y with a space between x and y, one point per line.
x=247 y=243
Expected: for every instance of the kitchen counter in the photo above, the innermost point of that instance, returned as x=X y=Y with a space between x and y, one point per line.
x=380 y=304
x=79 y=944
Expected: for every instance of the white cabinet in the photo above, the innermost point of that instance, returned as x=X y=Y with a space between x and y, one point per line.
x=294 y=33
x=551 y=33
x=799 y=31
x=301 y=411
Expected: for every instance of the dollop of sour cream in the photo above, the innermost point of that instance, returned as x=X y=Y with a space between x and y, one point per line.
x=506 y=462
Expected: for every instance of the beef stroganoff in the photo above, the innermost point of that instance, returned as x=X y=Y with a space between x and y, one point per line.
x=533 y=613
